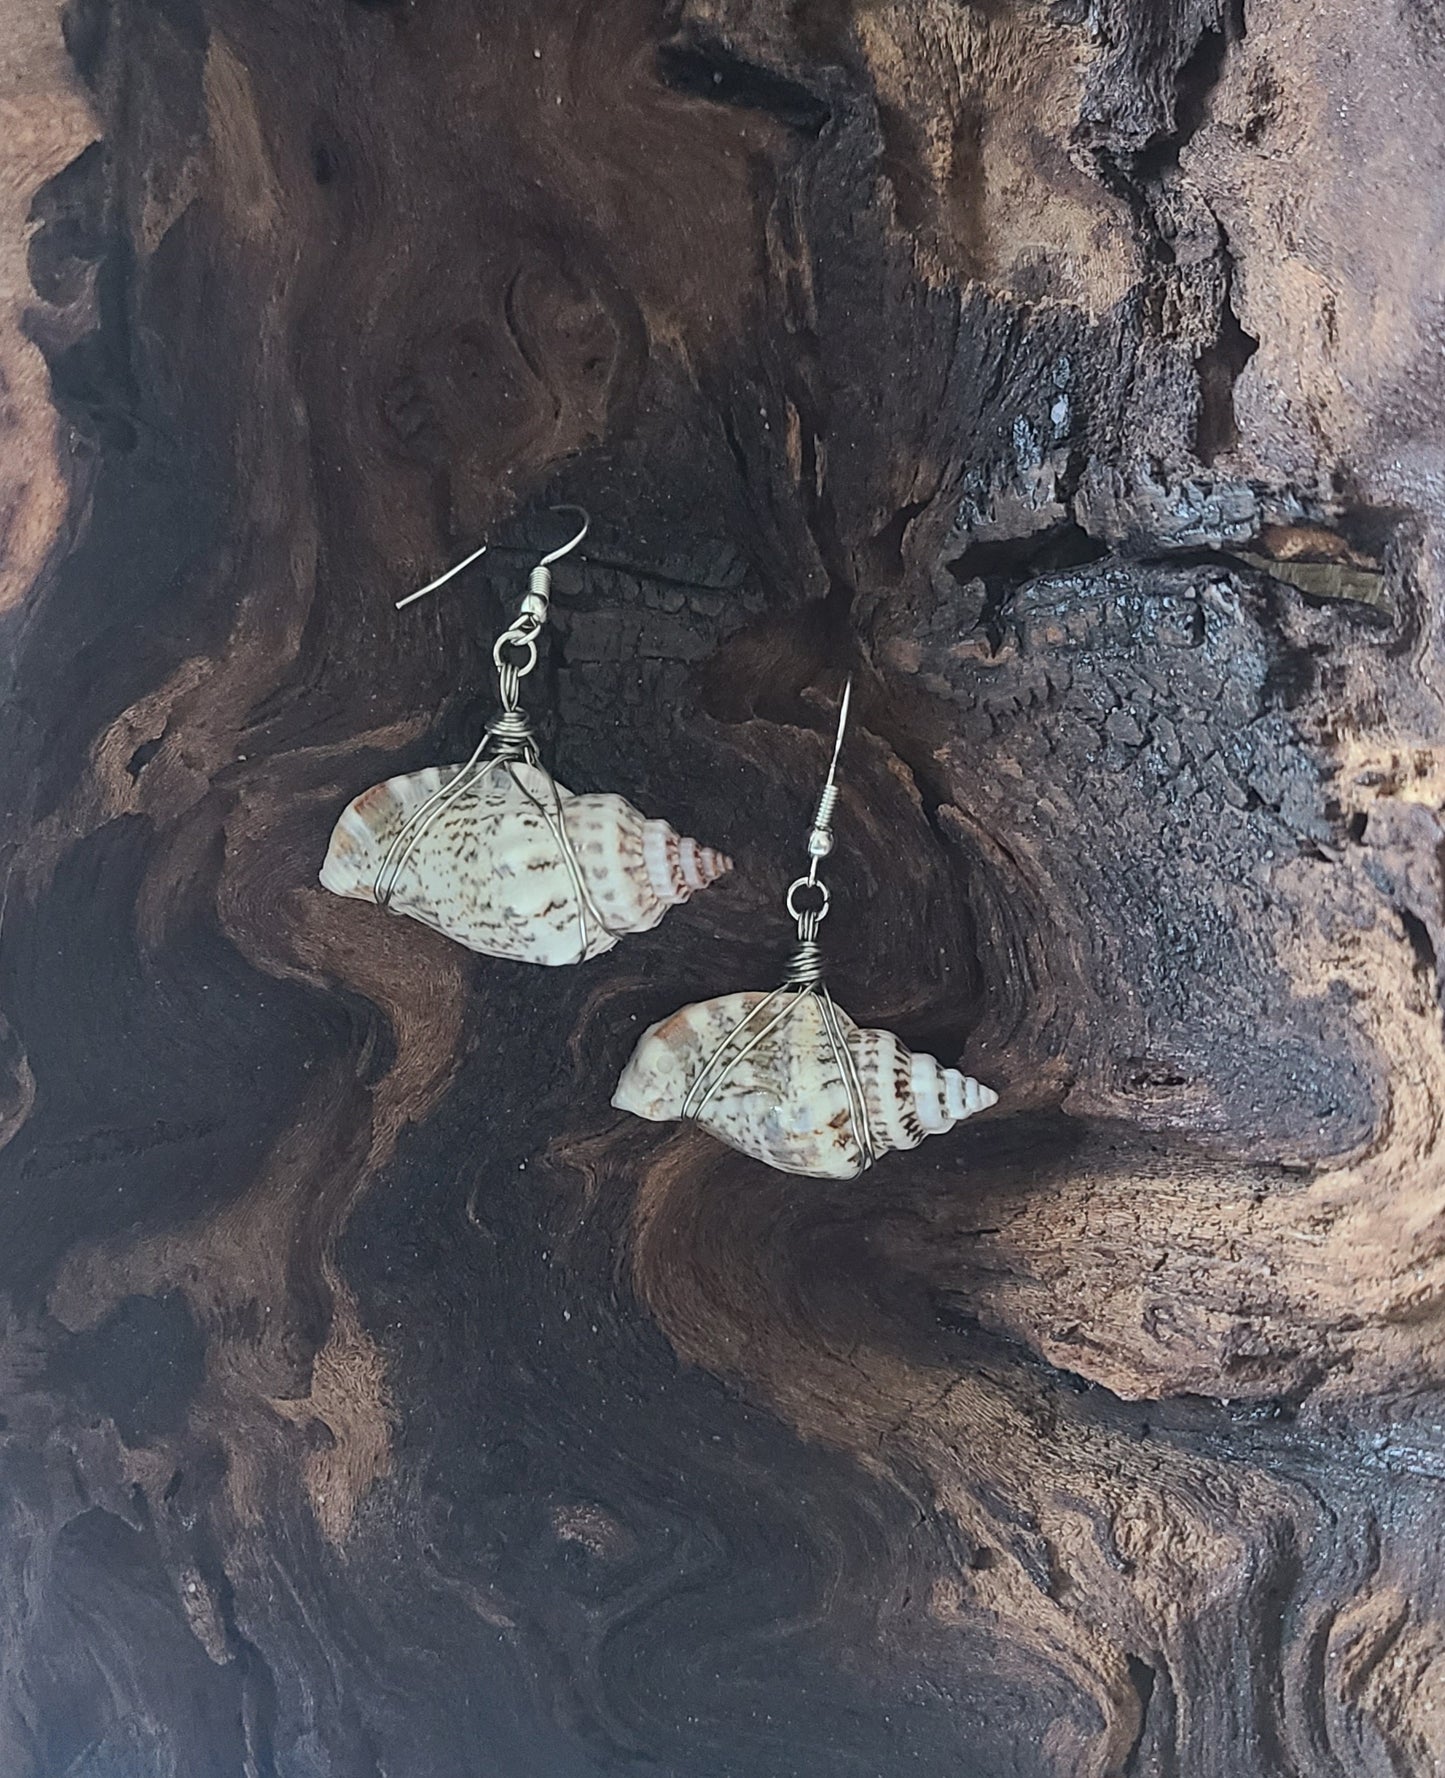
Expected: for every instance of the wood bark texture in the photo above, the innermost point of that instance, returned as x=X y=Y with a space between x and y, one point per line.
x=378 y=1402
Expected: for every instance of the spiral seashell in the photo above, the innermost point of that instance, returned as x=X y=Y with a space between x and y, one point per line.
x=517 y=866
x=769 y=1075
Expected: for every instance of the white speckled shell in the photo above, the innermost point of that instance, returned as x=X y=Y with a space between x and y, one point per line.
x=785 y=1101
x=488 y=870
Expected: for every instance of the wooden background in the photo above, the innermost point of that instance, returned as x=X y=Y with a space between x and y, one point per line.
x=380 y=1404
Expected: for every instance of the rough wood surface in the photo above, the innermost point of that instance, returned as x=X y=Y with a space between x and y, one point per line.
x=379 y=1403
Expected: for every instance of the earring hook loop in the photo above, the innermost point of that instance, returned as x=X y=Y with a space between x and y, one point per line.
x=566 y=550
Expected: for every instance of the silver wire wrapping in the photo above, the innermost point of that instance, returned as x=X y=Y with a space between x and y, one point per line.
x=802 y=980
x=506 y=742
x=787 y=1077
x=496 y=853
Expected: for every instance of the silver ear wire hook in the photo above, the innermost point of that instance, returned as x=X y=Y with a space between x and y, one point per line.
x=539 y=581
x=806 y=967
x=441 y=579
x=820 y=835
x=556 y=555
x=543 y=588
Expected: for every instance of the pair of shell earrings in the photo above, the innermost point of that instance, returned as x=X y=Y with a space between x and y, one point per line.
x=499 y=856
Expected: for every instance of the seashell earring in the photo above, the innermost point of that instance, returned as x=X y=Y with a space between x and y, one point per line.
x=496 y=853
x=787 y=1077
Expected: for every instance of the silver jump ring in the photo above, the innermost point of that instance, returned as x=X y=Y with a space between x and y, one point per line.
x=815 y=914
x=528 y=646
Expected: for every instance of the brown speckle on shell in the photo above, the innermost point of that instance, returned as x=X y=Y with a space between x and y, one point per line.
x=783 y=1099
x=492 y=870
